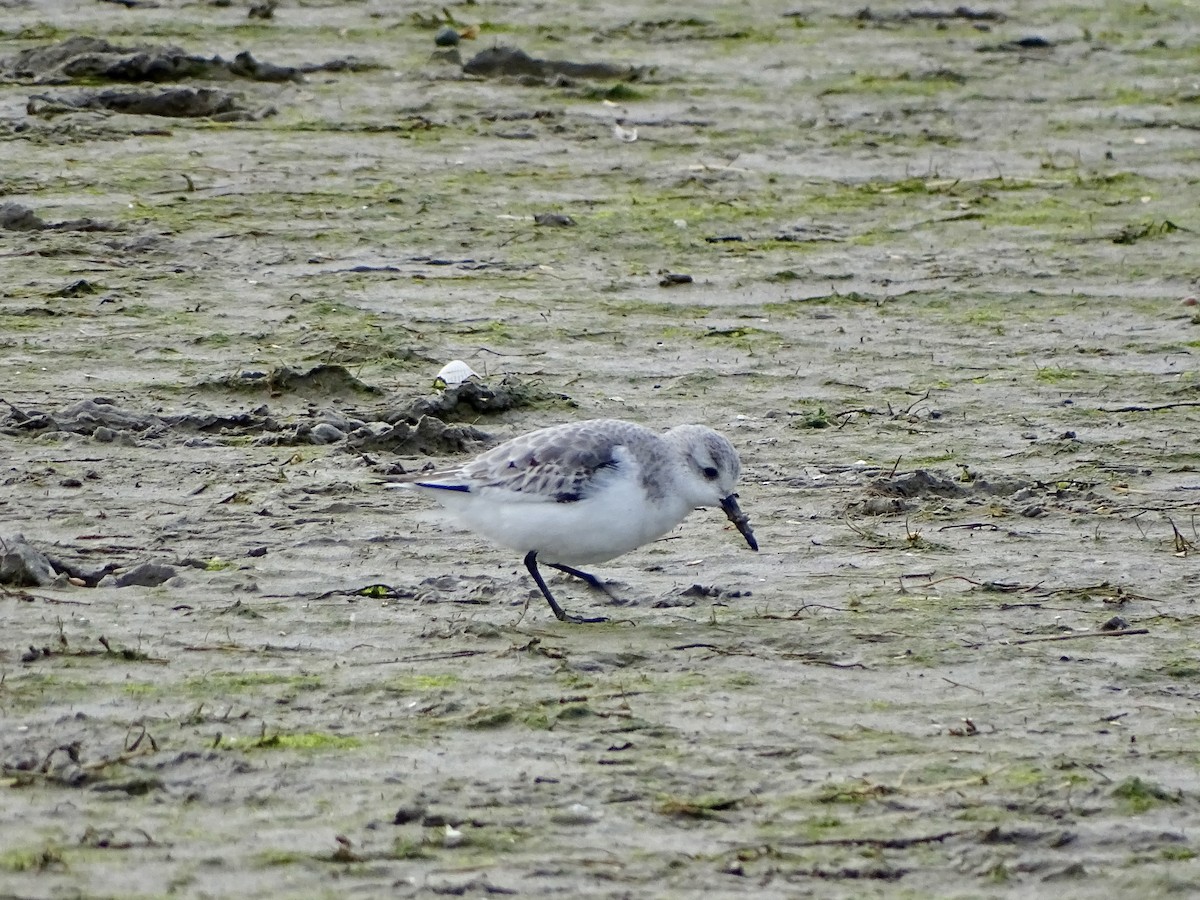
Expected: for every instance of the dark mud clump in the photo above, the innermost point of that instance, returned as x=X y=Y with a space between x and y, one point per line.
x=429 y=425
x=15 y=217
x=90 y=59
x=959 y=13
x=427 y=436
x=894 y=494
x=95 y=59
x=174 y=103
x=322 y=381
x=511 y=62
x=426 y=425
x=472 y=398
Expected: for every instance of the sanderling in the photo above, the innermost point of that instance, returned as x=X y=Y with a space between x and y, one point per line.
x=589 y=491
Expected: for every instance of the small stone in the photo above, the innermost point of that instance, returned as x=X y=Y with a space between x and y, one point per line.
x=439 y=818
x=22 y=564
x=554 y=220
x=446 y=37
x=326 y=434
x=104 y=434
x=145 y=575
x=409 y=813
x=15 y=217
x=78 y=288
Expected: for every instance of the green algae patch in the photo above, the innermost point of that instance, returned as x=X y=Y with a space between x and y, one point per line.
x=270 y=858
x=305 y=742
x=1056 y=374
x=811 y=417
x=573 y=711
x=1177 y=854
x=1140 y=795
x=1186 y=668
x=697 y=807
x=217 y=685
x=42 y=859
x=423 y=683
x=28 y=690
x=488 y=717
x=851 y=793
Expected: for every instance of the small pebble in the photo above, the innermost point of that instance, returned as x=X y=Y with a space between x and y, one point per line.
x=148 y=574
x=446 y=37
x=408 y=813
x=326 y=434
x=557 y=220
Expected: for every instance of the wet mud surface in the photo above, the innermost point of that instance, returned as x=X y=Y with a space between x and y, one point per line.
x=931 y=270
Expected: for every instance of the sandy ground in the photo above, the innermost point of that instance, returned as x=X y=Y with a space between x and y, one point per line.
x=940 y=271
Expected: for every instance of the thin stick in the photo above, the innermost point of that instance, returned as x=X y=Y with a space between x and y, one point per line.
x=888 y=843
x=1155 y=408
x=957 y=684
x=1083 y=634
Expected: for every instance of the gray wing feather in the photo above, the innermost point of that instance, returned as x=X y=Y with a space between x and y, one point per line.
x=566 y=463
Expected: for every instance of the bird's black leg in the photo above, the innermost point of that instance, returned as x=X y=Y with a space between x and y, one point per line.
x=563 y=615
x=591 y=580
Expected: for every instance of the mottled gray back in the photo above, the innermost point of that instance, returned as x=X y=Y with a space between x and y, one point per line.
x=565 y=461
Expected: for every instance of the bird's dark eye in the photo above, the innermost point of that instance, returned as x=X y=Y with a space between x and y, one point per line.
x=711 y=473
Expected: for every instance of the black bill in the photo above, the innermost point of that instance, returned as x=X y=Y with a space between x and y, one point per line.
x=739 y=519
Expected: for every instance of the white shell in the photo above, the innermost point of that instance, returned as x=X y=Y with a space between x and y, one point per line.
x=454 y=373
x=624 y=135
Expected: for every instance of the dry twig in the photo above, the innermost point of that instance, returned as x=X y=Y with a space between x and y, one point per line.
x=1124 y=632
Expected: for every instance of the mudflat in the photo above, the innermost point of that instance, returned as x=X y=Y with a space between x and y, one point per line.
x=933 y=272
